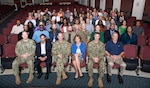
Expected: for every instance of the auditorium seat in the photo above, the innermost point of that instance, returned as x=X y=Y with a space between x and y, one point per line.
x=130 y=57
x=3 y=39
x=8 y=55
x=6 y=32
x=145 y=58
x=13 y=38
x=141 y=40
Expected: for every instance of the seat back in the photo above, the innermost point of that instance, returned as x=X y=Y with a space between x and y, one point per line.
x=9 y=51
x=13 y=38
x=145 y=53
x=130 y=51
x=141 y=40
x=148 y=41
x=147 y=32
x=6 y=32
x=3 y=39
x=145 y=56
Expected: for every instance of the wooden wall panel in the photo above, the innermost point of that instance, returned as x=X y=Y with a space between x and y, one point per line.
x=147 y=8
x=126 y=6
x=97 y=4
x=109 y=4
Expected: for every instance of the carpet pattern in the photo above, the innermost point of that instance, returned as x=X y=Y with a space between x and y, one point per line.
x=8 y=81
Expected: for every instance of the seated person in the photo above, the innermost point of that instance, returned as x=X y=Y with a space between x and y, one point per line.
x=85 y=35
x=64 y=26
x=53 y=33
x=36 y=34
x=61 y=51
x=96 y=54
x=30 y=19
x=129 y=37
x=43 y=53
x=114 y=52
x=89 y=27
x=108 y=33
x=97 y=29
x=138 y=29
x=78 y=52
x=25 y=50
x=16 y=29
x=69 y=35
x=30 y=33
x=123 y=27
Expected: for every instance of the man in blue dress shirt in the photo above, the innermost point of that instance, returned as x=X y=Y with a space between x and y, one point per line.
x=36 y=35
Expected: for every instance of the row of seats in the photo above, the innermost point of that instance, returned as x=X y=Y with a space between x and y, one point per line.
x=13 y=38
x=131 y=58
x=5 y=10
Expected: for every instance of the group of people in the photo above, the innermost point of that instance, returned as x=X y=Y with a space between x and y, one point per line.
x=76 y=34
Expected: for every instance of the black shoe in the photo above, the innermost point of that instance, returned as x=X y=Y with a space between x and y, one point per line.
x=108 y=78
x=82 y=76
x=75 y=78
x=120 y=79
x=46 y=76
x=40 y=75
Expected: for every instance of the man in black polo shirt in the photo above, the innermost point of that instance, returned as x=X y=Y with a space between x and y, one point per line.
x=114 y=51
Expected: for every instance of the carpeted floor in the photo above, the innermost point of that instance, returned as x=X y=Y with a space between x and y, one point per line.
x=8 y=81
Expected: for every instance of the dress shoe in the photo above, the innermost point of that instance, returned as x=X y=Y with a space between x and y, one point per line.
x=40 y=75
x=75 y=78
x=46 y=76
x=120 y=79
x=82 y=76
x=108 y=78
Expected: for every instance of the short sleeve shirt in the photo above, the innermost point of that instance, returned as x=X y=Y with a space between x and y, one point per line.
x=114 y=48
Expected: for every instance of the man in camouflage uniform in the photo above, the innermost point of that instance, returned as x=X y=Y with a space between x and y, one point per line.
x=85 y=35
x=96 y=54
x=60 y=51
x=25 y=51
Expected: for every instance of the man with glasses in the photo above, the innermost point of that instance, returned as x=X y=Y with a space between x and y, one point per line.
x=36 y=35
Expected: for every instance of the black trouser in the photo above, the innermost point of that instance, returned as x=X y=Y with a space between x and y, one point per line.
x=48 y=65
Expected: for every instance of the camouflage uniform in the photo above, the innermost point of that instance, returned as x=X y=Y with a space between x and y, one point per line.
x=60 y=48
x=84 y=35
x=96 y=50
x=22 y=48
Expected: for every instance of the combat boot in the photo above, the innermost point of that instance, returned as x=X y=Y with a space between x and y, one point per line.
x=90 y=83
x=58 y=81
x=64 y=76
x=100 y=83
x=18 y=79
x=30 y=78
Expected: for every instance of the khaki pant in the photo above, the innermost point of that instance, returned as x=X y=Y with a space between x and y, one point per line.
x=119 y=62
x=18 y=61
